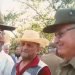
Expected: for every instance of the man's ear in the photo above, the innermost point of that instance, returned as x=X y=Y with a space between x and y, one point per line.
x=40 y=49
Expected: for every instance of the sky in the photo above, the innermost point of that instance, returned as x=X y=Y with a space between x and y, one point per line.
x=8 y=5
x=5 y=5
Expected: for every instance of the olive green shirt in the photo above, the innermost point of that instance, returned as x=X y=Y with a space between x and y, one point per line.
x=67 y=68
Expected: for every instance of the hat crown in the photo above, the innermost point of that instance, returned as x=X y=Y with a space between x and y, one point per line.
x=31 y=34
x=1 y=19
x=65 y=16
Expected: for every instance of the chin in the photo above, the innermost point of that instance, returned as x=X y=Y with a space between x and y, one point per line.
x=24 y=56
x=27 y=58
x=59 y=54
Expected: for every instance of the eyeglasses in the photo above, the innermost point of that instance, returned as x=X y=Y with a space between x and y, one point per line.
x=60 y=34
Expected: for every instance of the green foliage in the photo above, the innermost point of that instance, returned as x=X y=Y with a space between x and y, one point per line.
x=36 y=27
x=11 y=16
x=68 y=1
x=13 y=46
x=43 y=51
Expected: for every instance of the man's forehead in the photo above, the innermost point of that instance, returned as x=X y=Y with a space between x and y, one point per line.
x=64 y=27
x=28 y=42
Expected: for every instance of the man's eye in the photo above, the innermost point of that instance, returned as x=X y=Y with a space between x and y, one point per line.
x=22 y=44
x=61 y=34
x=29 y=45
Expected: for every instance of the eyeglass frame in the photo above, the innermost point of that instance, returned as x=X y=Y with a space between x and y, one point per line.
x=60 y=34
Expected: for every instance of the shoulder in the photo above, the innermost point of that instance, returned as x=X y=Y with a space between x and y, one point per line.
x=41 y=64
x=44 y=71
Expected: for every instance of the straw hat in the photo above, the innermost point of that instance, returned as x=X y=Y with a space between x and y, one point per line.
x=33 y=36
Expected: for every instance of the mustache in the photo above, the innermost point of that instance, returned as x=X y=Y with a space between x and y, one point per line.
x=24 y=49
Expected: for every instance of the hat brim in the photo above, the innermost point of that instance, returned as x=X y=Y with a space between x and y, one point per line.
x=4 y=27
x=53 y=28
x=42 y=41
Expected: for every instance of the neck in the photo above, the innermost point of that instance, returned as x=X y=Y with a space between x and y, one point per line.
x=23 y=64
x=28 y=58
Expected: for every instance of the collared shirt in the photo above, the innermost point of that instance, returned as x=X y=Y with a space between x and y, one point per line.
x=15 y=59
x=67 y=68
x=34 y=63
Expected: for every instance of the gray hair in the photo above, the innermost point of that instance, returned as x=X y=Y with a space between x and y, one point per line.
x=6 y=45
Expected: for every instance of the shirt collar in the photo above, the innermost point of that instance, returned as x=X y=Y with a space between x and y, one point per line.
x=33 y=63
x=71 y=62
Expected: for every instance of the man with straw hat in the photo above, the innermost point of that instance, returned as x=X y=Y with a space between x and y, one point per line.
x=31 y=44
x=64 y=29
x=6 y=64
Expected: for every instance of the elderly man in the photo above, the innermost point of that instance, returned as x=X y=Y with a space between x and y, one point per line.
x=6 y=64
x=31 y=44
x=5 y=48
x=64 y=29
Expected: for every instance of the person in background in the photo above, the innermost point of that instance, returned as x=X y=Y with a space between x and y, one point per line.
x=64 y=30
x=51 y=59
x=31 y=43
x=5 y=48
x=6 y=64
x=17 y=55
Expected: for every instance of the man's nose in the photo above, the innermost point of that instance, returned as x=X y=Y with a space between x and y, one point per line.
x=25 y=46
